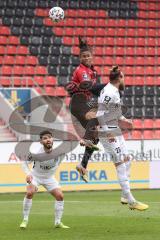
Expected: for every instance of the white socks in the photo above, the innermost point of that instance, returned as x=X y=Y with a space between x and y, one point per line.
x=128 y=167
x=124 y=183
x=27 y=204
x=59 y=205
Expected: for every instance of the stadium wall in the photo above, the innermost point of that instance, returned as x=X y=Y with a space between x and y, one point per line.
x=101 y=174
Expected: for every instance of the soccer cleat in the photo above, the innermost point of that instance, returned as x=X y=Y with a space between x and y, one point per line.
x=24 y=224
x=138 y=206
x=89 y=143
x=83 y=172
x=124 y=200
x=61 y=225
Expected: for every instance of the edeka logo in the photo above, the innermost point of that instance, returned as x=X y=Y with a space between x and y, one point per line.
x=73 y=176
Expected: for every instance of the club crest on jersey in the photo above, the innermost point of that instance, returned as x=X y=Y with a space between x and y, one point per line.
x=85 y=76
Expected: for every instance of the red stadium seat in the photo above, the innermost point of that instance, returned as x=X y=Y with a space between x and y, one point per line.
x=51 y=91
x=130 y=32
x=50 y=81
x=149 y=70
x=31 y=60
x=11 y=50
x=139 y=70
x=142 y=14
x=2 y=50
x=129 y=80
x=131 y=23
x=4 y=30
x=152 y=14
x=108 y=61
x=120 y=32
x=151 y=23
x=90 y=22
x=6 y=70
x=22 y=50
x=119 y=61
x=150 y=61
x=41 y=12
x=89 y=32
x=130 y=41
x=17 y=82
x=100 y=32
x=59 y=31
x=100 y=41
x=149 y=80
x=108 y=51
x=129 y=70
x=48 y=22
x=101 y=14
x=120 y=41
x=137 y=124
x=151 y=41
x=69 y=32
x=110 y=22
x=148 y=123
x=20 y=60
x=98 y=61
x=80 y=13
x=151 y=32
x=80 y=32
x=157 y=134
x=1 y=60
x=129 y=61
x=157 y=123
x=5 y=81
x=101 y=22
x=110 y=32
x=139 y=80
x=41 y=70
x=140 y=51
x=8 y=60
x=140 y=41
x=142 y=5
x=139 y=61
x=141 y=23
x=39 y=80
x=148 y=134
x=151 y=51
x=27 y=81
x=109 y=41
x=136 y=134
x=68 y=41
x=121 y=23
x=18 y=70
x=3 y=40
x=13 y=40
x=141 y=32
x=71 y=22
x=90 y=13
x=98 y=51
x=29 y=70
x=75 y=50
x=152 y=6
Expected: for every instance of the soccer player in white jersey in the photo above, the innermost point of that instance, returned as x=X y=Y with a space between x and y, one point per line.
x=42 y=173
x=110 y=119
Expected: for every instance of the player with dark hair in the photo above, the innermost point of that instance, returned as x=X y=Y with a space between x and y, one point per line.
x=110 y=120
x=42 y=173
x=83 y=106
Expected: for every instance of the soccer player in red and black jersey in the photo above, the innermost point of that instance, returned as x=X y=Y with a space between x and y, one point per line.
x=83 y=88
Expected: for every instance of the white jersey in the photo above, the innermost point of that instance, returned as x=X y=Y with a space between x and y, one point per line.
x=109 y=106
x=41 y=168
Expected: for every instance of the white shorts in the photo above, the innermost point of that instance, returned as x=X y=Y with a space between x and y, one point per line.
x=117 y=150
x=48 y=183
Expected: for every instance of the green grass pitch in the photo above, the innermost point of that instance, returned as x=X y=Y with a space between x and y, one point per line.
x=91 y=215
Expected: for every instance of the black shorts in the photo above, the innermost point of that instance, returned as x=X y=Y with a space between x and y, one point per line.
x=80 y=105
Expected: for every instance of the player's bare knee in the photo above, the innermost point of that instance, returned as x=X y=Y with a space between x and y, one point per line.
x=59 y=197
x=29 y=195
